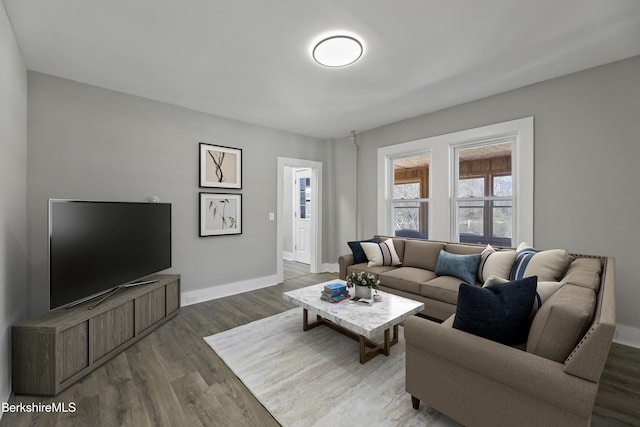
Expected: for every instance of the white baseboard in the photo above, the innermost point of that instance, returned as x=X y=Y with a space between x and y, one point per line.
x=330 y=267
x=215 y=292
x=288 y=256
x=627 y=335
x=221 y=291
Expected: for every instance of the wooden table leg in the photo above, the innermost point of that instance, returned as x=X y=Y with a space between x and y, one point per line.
x=305 y=321
x=395 y=335
x=387 y=344
x=385 y=348
x=363 y=343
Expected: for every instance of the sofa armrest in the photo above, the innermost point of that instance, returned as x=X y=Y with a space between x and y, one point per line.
x=344 y=261
x=538 y=377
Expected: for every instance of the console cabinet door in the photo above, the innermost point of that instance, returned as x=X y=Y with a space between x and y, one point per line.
x=150 y=308
x=111 y=329
x=73 y=347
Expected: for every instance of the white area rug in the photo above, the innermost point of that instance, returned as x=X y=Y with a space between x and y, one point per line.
x=314 y=378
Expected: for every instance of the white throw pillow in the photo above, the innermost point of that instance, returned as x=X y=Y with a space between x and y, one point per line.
x=549 y=266
x=544 y=291
x=495 y=263
x=383 y=253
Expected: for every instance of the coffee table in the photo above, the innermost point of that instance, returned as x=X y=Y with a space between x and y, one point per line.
x=362 y=322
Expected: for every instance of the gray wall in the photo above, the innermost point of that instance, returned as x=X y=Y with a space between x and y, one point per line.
x=13 y=195
x=90 y=143
x=587 y=149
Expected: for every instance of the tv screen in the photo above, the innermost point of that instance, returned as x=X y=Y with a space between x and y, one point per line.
x=97 y=246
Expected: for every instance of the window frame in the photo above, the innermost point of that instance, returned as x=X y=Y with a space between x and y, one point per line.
x=487 y=198
x=391 y=182
x=441 y=166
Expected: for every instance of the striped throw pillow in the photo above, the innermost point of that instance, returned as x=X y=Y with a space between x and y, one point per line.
x=379 y=254
x=549 y=265
x=495 y=263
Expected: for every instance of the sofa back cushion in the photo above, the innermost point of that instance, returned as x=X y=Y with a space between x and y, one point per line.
x=584 y=272
x=421 y=254
x=460 y=249
x=561 y=322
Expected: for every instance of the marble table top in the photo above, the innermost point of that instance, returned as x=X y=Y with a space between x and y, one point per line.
x=367 y=320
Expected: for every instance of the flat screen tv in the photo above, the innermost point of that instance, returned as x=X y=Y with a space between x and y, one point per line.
x=95 y=247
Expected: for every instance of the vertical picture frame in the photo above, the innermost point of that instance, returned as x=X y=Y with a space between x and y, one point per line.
x=220 y=214
x=220 y=166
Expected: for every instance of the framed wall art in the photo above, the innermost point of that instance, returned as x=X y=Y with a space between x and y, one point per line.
x=220 y=214
x=220 y=167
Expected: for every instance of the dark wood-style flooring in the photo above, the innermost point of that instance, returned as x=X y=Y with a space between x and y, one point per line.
x=173 y=378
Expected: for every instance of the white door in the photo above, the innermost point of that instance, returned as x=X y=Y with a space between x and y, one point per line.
x=302 y=221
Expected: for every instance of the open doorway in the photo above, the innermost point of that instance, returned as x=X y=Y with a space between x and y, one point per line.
x=299 y=219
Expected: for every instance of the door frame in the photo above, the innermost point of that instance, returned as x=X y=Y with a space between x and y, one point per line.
x=316 y=212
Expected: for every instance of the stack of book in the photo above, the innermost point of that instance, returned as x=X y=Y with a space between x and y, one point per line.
x=335 y=292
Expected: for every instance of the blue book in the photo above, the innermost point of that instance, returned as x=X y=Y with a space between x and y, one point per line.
x=335 y=299
x=335 y=288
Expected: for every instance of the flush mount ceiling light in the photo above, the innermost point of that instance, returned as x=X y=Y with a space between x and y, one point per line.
x=337 y=51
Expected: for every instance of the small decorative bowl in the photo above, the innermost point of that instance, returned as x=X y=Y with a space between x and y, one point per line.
x=377 y=297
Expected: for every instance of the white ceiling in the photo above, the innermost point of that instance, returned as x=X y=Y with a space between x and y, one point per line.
x=249 y=59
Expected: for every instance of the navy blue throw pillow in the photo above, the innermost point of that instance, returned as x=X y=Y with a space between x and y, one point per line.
x=358 y=253
x=497 y=312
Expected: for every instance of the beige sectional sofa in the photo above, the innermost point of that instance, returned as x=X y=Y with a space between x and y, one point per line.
x=551 y=380
x=415 y=278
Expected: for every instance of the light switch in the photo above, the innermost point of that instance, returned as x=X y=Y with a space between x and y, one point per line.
x=272 y=216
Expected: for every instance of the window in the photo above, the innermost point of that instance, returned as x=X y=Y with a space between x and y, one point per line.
x=484 y=193
x=305 y=198
x=479 y=186
x=410 y=195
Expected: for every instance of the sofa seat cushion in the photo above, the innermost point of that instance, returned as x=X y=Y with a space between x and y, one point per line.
x=356 y=268
x=406 y=279
x=498 y=312
x=441 y=288
x=421 y=254
x=561 y=321
x=584 y=272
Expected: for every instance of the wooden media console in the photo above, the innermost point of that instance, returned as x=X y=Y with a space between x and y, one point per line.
x=51 y=352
